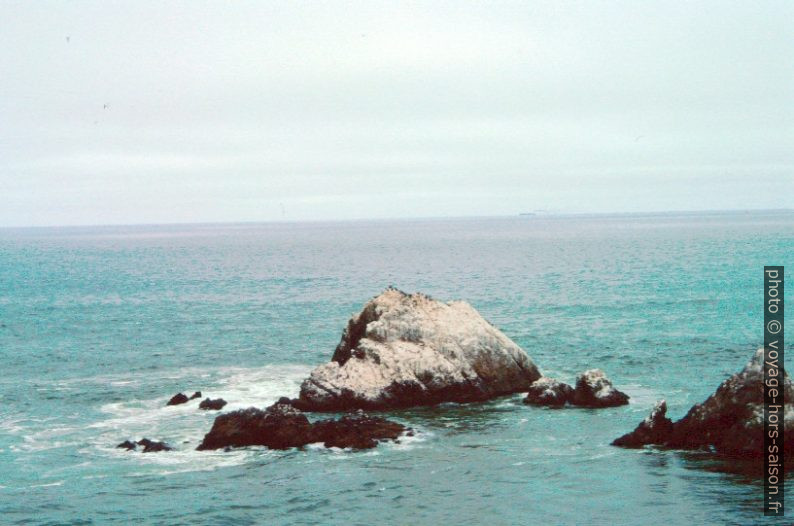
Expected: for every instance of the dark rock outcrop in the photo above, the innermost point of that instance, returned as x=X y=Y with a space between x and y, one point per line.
x=281 y=426
x=655 y=429
x=195 y=395
x=356 y=430
x=730 y=421
x=407 y=350
x=215 y=405
x=177 y=399
x=149 y=446
x=549 y=392
x=594 y=389
x=285 y=400
x=128 y=444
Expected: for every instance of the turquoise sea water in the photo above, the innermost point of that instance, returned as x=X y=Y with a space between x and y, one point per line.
x=100 y=326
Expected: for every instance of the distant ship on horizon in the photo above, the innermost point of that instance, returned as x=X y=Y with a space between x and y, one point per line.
x=534 y=213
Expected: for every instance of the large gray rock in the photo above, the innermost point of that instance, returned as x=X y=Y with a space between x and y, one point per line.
x=406 y=350
x=730 y=421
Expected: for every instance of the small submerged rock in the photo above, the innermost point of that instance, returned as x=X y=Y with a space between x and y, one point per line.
x=177 y=399
x=127 y=444
x=593 y=389
x=655 y=429
x=549 y=392
x=182 y=398
x=729 y=422
x=215 y=405
x=282 y=426
x=149 y=446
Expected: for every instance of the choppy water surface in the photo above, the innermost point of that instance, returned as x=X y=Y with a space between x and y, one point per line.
x=100 y=326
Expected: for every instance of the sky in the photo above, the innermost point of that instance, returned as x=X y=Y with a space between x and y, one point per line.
x=169 y=112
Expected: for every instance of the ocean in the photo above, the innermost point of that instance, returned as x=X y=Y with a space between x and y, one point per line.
x=100 y=326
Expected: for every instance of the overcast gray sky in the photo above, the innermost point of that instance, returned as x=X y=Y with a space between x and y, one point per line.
x=149 y=112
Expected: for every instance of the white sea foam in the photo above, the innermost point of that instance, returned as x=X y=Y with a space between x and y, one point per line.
x=120 y=383
x=259 y=387
x=410 y=442
x=337 y=453
x=182 y=426
x=12 y=426
x=187 y=460
x=49 y=484
x=640 y=395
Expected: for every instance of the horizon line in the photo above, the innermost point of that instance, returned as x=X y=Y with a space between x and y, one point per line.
x=537 y=214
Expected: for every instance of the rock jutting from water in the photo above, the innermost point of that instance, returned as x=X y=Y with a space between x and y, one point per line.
x=593 y=389
x=549 y=392
x=182 y=398
x=281 y=426
x=213 y=405
x=730 y=421
x=406 y=350
x=149 y=446
x=178 y=399
x=656 y=428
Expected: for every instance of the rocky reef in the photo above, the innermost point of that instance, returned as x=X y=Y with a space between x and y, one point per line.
x=729 y=422
x=213 y=405
x=593 y=389
x=404 y=350
x=149 y=446
x=282 y=426
x=407 y=350
x=182 y=398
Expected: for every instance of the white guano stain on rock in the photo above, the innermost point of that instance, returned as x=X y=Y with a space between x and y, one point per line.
x=405 y=350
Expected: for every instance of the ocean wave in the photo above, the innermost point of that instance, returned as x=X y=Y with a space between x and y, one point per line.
x=182 y=426
x=641 y=395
